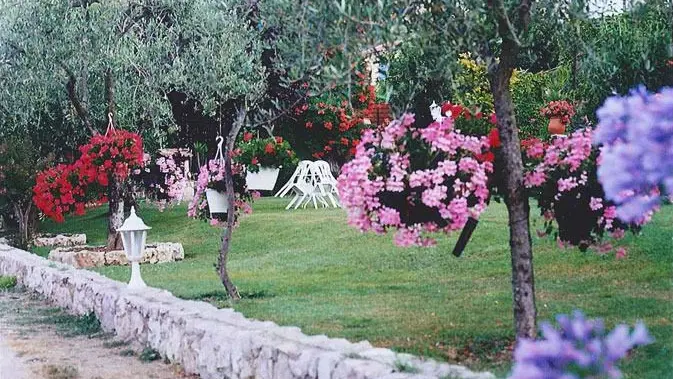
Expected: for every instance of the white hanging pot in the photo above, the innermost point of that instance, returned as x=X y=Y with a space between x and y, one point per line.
x=264 y=180
x=217 y=201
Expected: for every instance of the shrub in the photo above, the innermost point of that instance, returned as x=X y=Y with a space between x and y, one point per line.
x=7 y=282
x=19 y=165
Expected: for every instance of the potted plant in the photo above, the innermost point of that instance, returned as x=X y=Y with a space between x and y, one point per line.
x=210 y=200
x=559 y=114
x=263 y=158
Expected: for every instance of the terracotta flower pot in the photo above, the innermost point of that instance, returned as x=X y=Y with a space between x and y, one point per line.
x=556 y=126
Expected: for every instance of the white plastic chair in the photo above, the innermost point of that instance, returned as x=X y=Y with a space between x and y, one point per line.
x=326 y=183
x=301 y=167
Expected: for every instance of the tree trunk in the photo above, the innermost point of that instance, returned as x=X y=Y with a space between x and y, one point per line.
x=516 y=199
x=116 y=213
x=511 y=164
x=116 y=187
x=26 y=218
x=232 y=291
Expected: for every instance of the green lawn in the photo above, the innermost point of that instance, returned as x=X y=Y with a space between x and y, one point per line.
x=308 y=268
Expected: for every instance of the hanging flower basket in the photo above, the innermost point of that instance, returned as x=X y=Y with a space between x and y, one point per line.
x=217 y=201
x=210 y=197
x=265 y=179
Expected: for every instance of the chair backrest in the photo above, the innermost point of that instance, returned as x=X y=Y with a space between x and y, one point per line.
x=325 y=172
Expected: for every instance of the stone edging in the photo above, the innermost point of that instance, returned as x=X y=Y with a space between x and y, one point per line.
x=60 y=240
x=211 y=342
x=94 y=256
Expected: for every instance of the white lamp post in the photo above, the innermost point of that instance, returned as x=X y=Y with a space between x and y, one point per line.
x=134 y=233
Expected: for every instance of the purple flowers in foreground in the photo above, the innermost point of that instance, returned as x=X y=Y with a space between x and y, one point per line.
x=580 y=349
x=637 y=158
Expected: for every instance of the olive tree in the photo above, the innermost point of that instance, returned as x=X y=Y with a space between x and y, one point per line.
x=323 y=39
x=83 y=63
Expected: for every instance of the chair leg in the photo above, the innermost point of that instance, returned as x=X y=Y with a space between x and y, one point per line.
x=300 y=201
x=292 y=202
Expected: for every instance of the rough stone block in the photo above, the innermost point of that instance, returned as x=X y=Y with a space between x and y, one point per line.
x=60 y=240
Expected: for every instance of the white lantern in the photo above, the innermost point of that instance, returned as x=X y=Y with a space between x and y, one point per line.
x=436 y=112
x=134 y=233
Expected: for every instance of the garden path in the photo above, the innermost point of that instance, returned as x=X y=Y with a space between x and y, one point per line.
x=38 y=341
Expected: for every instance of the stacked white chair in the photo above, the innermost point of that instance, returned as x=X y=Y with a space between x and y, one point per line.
x=294 y=179
x=311 y=182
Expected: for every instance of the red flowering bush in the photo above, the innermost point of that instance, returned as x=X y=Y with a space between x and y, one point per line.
x=560 y=109
x=416 y=180
x=68 y=188
x=330 y=126
x=469 y=121
x=254 y=153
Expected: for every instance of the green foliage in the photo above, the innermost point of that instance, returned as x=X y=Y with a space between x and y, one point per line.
x=72 y=326
x=401 y=366
x=20 y=162
x=471 y=87
x=127 y=353
x=616 y=53
x=56 y=57
x=148 y=355
x=7 y=282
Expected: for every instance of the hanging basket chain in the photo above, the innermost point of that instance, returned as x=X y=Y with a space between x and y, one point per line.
x=218 y=155
x=110 y=125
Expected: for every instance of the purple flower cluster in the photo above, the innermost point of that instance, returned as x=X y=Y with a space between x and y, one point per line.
x=637 y=156
x=579 y=349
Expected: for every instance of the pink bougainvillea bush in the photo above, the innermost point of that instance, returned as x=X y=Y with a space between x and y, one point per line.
x=417 y=180
x=163 y=179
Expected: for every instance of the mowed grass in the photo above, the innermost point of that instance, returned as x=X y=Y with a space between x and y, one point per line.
x=308 y=268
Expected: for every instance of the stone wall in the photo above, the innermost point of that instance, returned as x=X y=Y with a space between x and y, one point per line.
x=94 y=256
x=211 y=342
x=60 y=240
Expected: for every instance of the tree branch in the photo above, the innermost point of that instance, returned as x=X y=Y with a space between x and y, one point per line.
x=80 y=108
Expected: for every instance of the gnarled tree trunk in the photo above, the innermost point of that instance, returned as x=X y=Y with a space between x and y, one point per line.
x=515 y=194
x=116 y=187
x=116 y=213
x=25 y=215
x=232 y=291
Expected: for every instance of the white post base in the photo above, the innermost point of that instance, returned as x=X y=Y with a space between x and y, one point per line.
x=136 y=281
